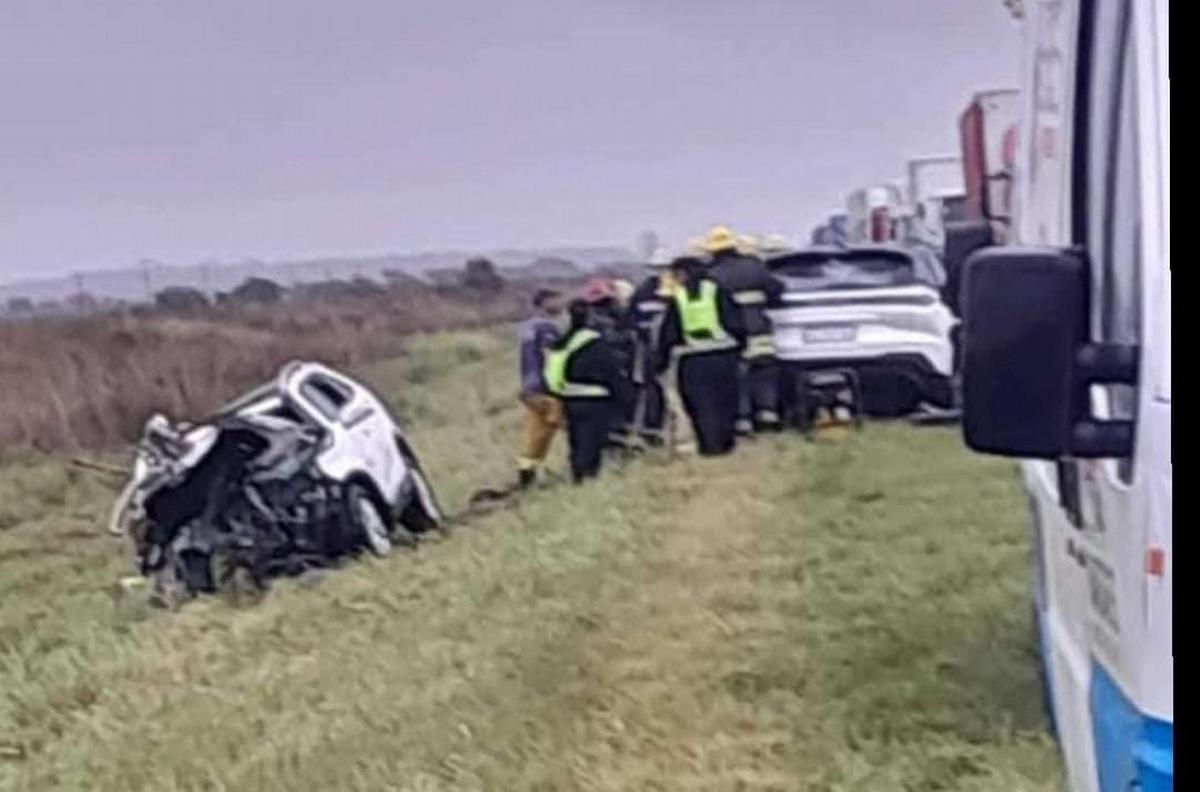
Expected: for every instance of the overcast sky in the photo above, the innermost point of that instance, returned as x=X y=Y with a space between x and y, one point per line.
x=184 y=129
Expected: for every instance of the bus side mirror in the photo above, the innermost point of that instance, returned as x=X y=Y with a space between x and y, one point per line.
x=1028 y=362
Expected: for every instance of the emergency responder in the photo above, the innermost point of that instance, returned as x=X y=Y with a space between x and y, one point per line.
x=582 y=370
x=754 y=289
x=543 y=413
x=608 y=317
x=647 y=309
x=703 y=326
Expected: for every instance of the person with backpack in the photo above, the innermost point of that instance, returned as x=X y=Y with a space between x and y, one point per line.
x=584 y=372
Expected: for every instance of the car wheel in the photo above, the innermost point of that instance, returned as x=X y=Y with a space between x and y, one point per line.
x=369 y=523
x=415 y=516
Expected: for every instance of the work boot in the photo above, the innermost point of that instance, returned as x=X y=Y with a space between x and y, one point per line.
x=744 y=427
x=525 y=478
x=767 y=421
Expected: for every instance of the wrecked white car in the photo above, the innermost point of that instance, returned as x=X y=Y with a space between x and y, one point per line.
x=296 y=474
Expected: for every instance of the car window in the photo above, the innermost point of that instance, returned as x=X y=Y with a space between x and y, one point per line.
x=820 y=273
x=327 y=396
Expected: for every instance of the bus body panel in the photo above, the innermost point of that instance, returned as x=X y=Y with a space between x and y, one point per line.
x=1102 y=528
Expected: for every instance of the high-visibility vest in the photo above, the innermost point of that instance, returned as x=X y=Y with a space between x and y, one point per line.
x=700 y=320
x=759 y=346
x=750 y=297
x=555 y=371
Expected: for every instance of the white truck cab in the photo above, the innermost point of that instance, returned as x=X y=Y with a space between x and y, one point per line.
x=935 y=183
x=1067 y=364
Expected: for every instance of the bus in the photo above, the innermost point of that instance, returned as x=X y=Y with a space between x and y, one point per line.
x=1067 y=366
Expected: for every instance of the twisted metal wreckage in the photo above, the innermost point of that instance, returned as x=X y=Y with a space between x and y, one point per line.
x=297 y=474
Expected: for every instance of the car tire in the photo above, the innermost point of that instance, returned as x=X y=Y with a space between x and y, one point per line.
x=414 y=516
x=368 y=521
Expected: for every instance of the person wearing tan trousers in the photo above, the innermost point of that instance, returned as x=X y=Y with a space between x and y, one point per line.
x=543 y=412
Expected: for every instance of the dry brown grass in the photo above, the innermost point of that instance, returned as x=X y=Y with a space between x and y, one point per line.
x=69 y=384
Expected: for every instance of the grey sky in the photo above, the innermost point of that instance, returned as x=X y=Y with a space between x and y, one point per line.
x=179 y=130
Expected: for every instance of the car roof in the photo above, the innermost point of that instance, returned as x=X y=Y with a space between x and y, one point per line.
x=273 y=388
x=825 y=252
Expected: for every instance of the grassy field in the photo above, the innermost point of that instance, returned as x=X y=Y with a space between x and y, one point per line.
x=842 y=615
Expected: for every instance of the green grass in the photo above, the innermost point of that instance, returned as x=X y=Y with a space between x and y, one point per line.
x=843 y=615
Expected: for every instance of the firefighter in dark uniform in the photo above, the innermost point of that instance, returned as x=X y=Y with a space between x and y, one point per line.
x=647 y=310
x=754 y=289
x=584 y=371
x=609 y=317
x=703 y=327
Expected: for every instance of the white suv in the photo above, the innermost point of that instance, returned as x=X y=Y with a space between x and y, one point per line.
x=875 y=309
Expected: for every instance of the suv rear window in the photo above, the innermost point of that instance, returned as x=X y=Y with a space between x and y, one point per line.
x=821 y=271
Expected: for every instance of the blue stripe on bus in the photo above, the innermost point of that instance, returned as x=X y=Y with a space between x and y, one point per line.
x=1132 y=749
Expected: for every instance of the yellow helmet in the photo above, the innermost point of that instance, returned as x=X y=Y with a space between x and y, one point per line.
x=720 y=238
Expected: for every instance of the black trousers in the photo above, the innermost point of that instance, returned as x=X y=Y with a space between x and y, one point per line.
x=758 y=392
x=708 y=386
x=652 y=405
x=588 y=424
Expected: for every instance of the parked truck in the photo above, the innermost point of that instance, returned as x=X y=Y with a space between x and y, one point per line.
x=1067 y=365
x=934 y=194
x=871 y=213
x=987 y=133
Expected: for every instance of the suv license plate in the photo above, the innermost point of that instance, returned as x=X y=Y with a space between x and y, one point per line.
x=830 y=335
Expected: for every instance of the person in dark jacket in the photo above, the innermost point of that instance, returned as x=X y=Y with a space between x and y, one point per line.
x=703 y=327
x=755 y=290
x=543 y=413
x=609 y=317
x=584 y=371
x=647 y=309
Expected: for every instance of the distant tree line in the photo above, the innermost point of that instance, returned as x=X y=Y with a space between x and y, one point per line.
x=479 y=276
